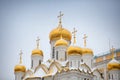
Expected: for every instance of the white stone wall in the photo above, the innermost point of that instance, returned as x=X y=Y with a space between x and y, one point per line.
x=52 y=43
x=35 y=60
x=114 y=75
x=19 y=75
x=72 y=75
x=74 y=61
x=62 y=55
x=88 y=58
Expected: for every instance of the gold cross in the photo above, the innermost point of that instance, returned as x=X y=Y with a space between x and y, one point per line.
x=37 y=41
x=85 y=38
x=74 y=35
x=20 y=56
x=60 y=17
x=112 y=51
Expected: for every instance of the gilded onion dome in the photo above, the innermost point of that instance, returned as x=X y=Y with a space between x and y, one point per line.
x=74 y=50
x=37 y=51
x=113 y=65
x=87 y=51
x=20 y=67
x=55 y=34
x=61 y=42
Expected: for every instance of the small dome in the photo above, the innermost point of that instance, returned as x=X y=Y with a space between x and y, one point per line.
x=61 y=42
x=55 y=34
x=87 y=51
x=19 y=67
x=113 y=64
x=37 y=52
x=74 y=50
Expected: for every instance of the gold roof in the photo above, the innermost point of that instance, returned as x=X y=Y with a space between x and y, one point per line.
x=113 y=64
x=74 y=50
x=61 y=42
x=37 y=52
x=87 y=51
x=56 y=33
x=20 y=67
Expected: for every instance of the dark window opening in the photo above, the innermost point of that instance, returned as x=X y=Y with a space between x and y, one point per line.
x=53 y=52
x=57 y=55
x=39 y=61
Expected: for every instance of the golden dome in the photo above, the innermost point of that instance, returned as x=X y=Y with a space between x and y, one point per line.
x=87 y=51
x=113 y=64
x=56 y=33
x=61 y=42
x=19 y=67
x=74 y=50
x=37 y=52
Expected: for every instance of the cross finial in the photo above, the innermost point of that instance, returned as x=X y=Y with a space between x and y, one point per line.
x=37 y=41
x=74 y=35
x=60 y=17
x=112 y=51
x=85 y=38
x=20 y=56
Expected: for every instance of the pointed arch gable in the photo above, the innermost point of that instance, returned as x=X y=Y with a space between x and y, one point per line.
x=44 y=68
x=85 y=66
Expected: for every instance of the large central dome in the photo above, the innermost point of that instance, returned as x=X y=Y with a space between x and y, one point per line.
x=56 y=33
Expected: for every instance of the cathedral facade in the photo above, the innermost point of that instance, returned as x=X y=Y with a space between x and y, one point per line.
x=68 y=61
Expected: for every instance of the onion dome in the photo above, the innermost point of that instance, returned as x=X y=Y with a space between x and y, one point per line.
x=61 y=42
x=87 y=51
x=55 y=34
x=113 y=65
x=20 y=67
x=37 y=51
x=74 y=50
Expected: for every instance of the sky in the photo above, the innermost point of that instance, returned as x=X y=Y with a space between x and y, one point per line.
x=21 y=21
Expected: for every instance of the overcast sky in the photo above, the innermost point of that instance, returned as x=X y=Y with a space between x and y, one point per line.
x=22 y=21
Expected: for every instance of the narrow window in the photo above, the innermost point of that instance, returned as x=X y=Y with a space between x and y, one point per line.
x=65 y=55
x=53 y=52
x=39 y=62
x=78 y=64
x=57 y=55
x=32 y=64
x=112 y=76
x=71 y=63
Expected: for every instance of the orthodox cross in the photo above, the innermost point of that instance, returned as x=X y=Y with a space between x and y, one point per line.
x=112 y=51
x=74 y=35
x=60 y=17
x=85 y=38
x=20 y=56
x=37 y=41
